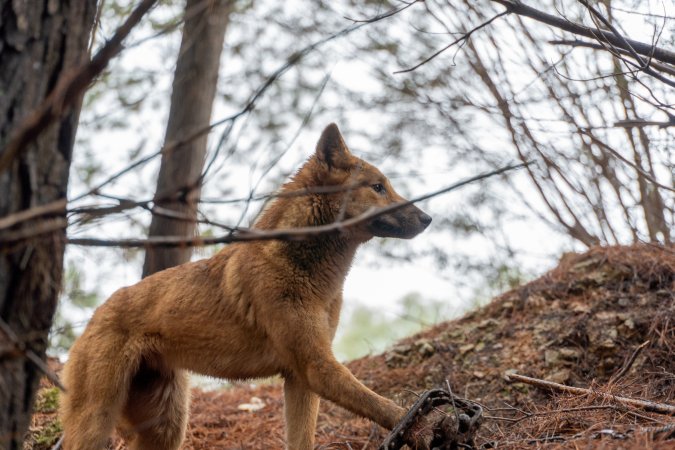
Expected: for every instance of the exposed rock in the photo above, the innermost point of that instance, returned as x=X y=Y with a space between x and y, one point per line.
x=425 y=347
x=464 y=349
x=560 y=376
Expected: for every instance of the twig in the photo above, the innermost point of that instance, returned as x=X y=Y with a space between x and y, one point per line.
x=371 y=435
x=643 y=66
x=43 y=227
x=652 y=51
x=613 y=29
x=300 y=233
x=89 y=212
x=464 y=37
x=639 y=169
x=58 y=444
x=29 y=354
x=27 y=214
x=579 y=43
x=386 y=14
x=636 y=123
x=646 y=405
x=668 y=431
x=621 y=409
x=68 y=89
x=628 y=364
x=454 y=407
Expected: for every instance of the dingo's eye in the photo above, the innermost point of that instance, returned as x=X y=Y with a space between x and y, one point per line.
x=379 y=188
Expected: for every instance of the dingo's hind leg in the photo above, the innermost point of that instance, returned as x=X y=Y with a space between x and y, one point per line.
x=156 y=410
x=96 y=378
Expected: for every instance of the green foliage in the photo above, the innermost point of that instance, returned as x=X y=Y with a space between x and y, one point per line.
x=74 y=291
x=74 y=297
x=47 y=400
x=48 y=435
x=497 y=277
x=367 y=330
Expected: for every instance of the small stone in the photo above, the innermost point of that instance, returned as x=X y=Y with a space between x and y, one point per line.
x=478 y=374
x=487 y=323
x=395 y=359
x=581 y=308
x=569 y=354
x=551 y=357
x=521 y=387
x=544 y=326
x=507 y=374
x=560 y=376
x=535 y=302
x=464 y=349
x=606 y=315
x=583 y=264
x=425 y=348
x=255 y=404
x=402 y=349
x=456 y=333
x=624 y=301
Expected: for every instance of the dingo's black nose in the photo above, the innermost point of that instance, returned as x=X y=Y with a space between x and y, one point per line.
x=425 y=219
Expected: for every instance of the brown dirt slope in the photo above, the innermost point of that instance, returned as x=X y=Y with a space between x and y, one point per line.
x=576 y=325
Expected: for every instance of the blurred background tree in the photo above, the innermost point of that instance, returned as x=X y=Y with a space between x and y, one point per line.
x=40 y=42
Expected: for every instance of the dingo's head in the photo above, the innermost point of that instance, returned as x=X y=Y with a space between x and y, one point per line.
x=360 y=187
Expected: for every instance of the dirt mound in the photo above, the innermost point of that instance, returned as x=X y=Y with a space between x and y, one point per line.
x=578 y=325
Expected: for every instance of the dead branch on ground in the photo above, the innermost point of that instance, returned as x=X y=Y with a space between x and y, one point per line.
x=646 y=405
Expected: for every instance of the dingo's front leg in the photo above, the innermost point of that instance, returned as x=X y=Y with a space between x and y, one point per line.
x=301 y=407
x=303 y=343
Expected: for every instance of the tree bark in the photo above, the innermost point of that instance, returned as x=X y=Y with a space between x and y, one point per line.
x=39 y=41
x=194 y=88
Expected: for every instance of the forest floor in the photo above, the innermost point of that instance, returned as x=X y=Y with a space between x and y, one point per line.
x=578 y=325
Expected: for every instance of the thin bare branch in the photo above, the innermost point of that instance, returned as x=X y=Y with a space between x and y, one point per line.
x=42 y=227
x=394 y=11
x=652 y=51
x=68 y=89
x=643 y=66
x=28 y=214
x=628 y=364
x=580 y=43
x=300 y=233
x=642 y=172
x=463 y=38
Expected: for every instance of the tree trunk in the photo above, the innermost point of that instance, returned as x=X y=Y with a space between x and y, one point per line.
x=194 y=88
x=39 y=41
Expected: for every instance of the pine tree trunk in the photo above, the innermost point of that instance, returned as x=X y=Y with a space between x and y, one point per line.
x=39 y=41
x=194 y=88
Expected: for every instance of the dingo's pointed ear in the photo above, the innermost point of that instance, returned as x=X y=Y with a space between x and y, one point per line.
x=332 y=150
